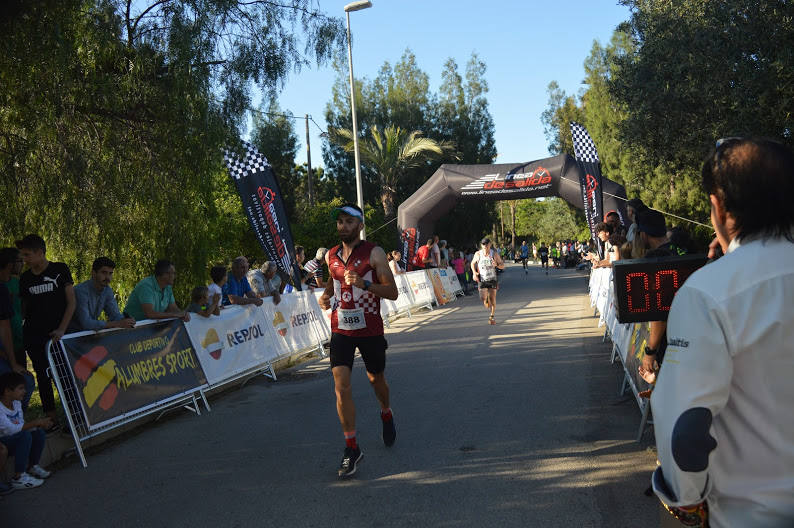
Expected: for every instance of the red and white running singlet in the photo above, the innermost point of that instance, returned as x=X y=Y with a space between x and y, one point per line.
x=356 y=312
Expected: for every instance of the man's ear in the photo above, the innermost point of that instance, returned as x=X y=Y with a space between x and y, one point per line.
x=718 y=207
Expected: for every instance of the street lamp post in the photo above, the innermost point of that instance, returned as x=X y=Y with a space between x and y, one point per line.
x=355 y=6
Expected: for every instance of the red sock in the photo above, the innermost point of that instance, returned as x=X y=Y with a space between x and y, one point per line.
x=386 y=415
x=350 y=440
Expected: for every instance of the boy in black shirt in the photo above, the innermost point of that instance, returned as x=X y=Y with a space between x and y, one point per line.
x=47 y=293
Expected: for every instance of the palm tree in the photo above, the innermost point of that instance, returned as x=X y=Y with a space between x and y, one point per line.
x=392 y=152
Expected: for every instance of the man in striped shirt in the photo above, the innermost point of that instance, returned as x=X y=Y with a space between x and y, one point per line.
x=314 y=269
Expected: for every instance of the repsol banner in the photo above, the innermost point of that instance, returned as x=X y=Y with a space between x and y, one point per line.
x=421 y=288
x=297 y=321
x=451 y=282
x=263 y=203
x=236 y=341
x=404 y=299
x=326 y=320
x=120 y=372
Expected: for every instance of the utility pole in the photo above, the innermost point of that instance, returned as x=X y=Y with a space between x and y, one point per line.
x=309 y=165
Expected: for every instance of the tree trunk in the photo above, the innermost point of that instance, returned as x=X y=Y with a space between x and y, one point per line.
x=512 y=205
x=502 y=220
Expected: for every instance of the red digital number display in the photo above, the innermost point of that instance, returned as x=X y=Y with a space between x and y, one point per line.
x=645 y=288
x=639 y=291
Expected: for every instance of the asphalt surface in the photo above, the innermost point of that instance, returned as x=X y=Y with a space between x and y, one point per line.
x=517 y=424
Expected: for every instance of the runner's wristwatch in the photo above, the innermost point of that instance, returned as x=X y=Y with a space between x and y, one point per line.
x=648 y=351
x=367 y=284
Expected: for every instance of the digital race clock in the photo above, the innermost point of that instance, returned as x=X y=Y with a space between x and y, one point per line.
x=644 y=288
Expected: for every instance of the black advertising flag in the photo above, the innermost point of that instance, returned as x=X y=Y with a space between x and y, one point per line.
x=590 y=179
x=410 y=241
x=262 y=200
x=121 y=372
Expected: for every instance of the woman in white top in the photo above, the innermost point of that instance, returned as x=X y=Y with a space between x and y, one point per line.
x=484 y=265
x=394 y=263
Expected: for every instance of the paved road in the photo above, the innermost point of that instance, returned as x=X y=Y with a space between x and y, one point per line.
x=516 y=424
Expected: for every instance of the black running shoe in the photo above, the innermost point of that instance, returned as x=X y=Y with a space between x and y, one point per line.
x=389 y=432
x=350 y=461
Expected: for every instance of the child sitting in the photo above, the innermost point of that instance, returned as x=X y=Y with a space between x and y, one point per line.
x=200 y=303
x=25 y=441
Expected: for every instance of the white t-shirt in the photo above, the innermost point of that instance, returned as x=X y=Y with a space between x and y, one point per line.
x=486 y=266
x=396 y=269
x=212 y=290
x=11 y=420
x=436 y=254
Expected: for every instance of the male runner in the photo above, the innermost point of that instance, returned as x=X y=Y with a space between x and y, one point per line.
x=360 y=276
x=524 y=255
x=543 y=251
x=484 y=266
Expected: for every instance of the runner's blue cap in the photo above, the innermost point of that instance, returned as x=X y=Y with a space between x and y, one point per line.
x=349 y=211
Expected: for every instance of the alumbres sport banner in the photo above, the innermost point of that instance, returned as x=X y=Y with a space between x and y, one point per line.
x=236 y=341
x=259 y=191
x=128 y=370
x=590 y=179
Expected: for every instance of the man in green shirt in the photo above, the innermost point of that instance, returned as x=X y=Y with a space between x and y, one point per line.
x=153 y=297
x=10 y=268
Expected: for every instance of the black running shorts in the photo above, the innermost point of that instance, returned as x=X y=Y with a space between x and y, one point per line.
x=493 y=285
x=372 y=349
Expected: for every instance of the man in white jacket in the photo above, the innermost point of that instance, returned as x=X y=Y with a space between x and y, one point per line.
x=723 y=404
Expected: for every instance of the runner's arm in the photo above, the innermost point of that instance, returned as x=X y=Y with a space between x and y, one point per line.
x=385 y=287
x=475 y=274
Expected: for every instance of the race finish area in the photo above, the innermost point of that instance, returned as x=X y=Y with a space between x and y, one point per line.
x=516 y=424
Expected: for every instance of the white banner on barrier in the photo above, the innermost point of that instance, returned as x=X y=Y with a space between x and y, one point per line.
x=421 y=288
x=404 y=296
x=294 y=320
x=322 y=325
x=439 y=290
x=326 y=313
x=452 y=283
x=237 y=340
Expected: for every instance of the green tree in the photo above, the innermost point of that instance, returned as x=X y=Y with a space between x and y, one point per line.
x=113 y=116
x=462 y=117
x=400 y=96
x=561 y=111
x=392 y=152
x=550 y=220
x=273 y=134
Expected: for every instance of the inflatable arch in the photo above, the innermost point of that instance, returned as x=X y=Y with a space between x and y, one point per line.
x=555 y=176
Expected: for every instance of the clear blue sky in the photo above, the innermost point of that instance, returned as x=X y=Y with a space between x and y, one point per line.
x=525 y=45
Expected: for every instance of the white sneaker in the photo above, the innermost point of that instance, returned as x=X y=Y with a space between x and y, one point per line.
x=39 y=472
x=25 y=481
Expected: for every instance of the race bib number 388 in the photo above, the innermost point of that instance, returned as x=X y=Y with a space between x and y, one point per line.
x=351 y=319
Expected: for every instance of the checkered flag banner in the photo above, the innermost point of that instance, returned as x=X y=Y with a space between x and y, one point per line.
x=264 y=206
x=251 y=162
x=583 y=146
x=590 y=179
